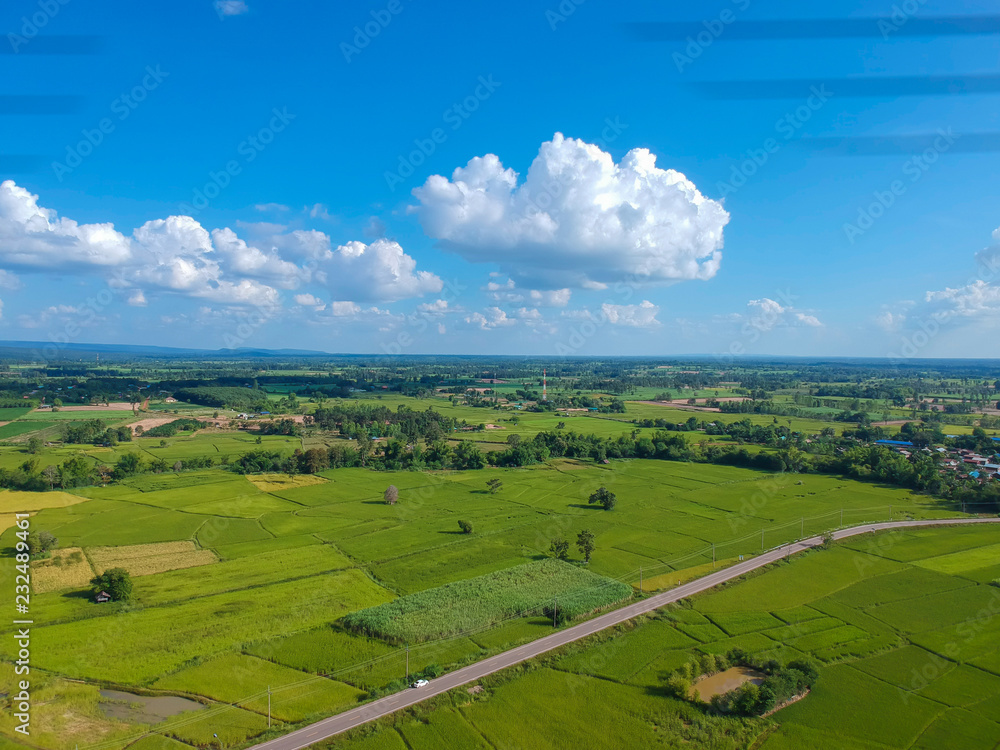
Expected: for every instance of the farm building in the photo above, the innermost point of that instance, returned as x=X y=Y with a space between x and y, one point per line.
x=102 y=597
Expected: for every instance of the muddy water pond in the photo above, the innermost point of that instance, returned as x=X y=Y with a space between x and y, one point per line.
x=723 y=682
x=144 y=709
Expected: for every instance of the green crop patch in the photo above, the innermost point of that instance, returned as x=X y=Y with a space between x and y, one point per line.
x=909 y=545
x=885 y=716
x=908 y=668
x=909 y=583
x=484 y=601
x=225 y=725
x=232 y=575
x=858 y=649
x=752 y=643
x=740 y=623
x=444 y=728
x=790 y=634
x=237 y=679
x=961 y=729
x=796 y=615
x=941 y=610
x=323 y=650
x=962 y=686
x=249 y=549
x=622 y=656
x=966 y=560
x=220 y=531
x=790 y=585
x=198 y=627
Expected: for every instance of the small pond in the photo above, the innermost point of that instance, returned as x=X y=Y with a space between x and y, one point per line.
x=144 y=709
x=723 y=682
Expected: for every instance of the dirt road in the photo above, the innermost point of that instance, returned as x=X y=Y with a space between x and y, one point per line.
x=334 y=725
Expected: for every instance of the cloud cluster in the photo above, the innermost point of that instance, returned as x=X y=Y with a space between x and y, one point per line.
x=578 y=220
x=179 y=256
x=976 y=300
x=642 y=315
x=508 y=291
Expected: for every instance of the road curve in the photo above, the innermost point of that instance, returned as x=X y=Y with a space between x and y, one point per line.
x=342 y=722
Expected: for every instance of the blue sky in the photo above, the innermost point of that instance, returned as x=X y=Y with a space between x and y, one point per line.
x=310 y=173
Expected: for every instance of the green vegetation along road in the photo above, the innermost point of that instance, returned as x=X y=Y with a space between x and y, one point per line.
x=343 y=722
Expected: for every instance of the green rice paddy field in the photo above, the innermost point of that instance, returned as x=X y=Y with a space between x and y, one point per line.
x=909 y=658
x=291 y=562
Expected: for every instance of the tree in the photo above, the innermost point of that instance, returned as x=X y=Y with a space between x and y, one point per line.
x=494 y=485
x=34 y=445
x=127 y=465
x=116 y=582
x=40 y=542
x=391 y=495
x=465 y=526
x=585 y=543
x=559 y=549
x=605 y=498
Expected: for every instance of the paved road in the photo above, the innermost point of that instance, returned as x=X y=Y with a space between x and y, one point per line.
x=334 y=725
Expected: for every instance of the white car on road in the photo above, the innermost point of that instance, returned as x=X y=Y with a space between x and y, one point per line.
x=419 y=683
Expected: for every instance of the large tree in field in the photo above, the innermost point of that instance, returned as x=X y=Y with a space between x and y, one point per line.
x=586 y=544
x=391 y=495
x=559 y=549
x=116 y=582
x=605 y=498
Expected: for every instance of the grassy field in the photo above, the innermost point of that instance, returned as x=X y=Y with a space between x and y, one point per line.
x=286 y=558
x=878 y=687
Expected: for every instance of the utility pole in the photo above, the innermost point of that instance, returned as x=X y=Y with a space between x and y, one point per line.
x=407 y=663
x=640 y=579
x=762 y=540
x=802 y=532
x=841 y=518
x=890 y=512
x=713 y=554
x=555 y=608
x=268 y=706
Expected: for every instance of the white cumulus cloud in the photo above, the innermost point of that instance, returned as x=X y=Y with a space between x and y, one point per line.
x=35 y=238
x=379 y=272
x=577 y=219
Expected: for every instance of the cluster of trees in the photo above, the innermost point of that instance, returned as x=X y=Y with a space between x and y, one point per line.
x=95 y=432
x=780 y=683
x=241 y=399
x=81 y=471
x=116 y=582
x=355 y=421
x=172 y=428
x=280 y=427
x=585 y=542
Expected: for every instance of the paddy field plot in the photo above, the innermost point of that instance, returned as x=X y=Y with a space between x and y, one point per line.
x=147 y=559
x=66 y=568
